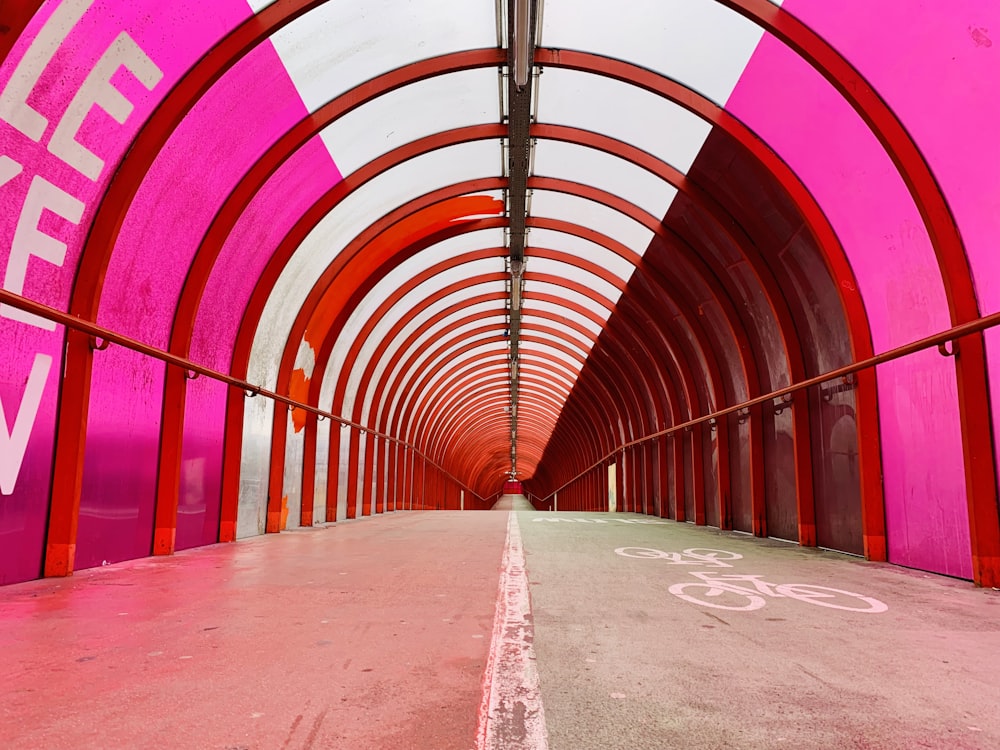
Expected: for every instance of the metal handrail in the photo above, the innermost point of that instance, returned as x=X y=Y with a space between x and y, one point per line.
x=939 y=340
x=107 y=336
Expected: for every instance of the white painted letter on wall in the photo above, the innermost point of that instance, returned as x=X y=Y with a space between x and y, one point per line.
x=14 y=440
x=97 y=90
x=28 y=241
x=14 y=106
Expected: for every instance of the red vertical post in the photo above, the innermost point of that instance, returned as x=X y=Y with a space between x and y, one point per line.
x=308 y=469
x=378 y=488
x=636 y=475
x=423 y=484
x=432 y=486
x=638 y=501
x=368 y=475
x=870 y=466
x=411 y=480
x=406 y=479
x=631 y=479
x=390 y=482
x=662 y=471
x=724 y=479
x=620 y=482
x=595 y=491
x=649 y=478
x=396 y=475
x=71 y=438
x=980 y=466
x=232 y=456
x=680 y=512
x=600 y=499
x=276 y=474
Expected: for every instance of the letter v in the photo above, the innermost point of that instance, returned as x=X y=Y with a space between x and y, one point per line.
x=9 y=169
x=14 y=443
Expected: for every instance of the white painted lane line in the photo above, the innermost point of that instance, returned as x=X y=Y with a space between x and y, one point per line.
x=511 y=716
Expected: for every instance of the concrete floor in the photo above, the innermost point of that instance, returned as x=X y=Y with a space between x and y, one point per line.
x=376 y=634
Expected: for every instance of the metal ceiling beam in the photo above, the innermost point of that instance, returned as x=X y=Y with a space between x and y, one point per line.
x=521 y=24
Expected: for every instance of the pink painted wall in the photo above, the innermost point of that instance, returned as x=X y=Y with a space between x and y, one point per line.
x=217 y=143
x=214 y=146
x=843 y=165
x=943 y=56
x=295 y=186
x=198 y=504
x=173 y=37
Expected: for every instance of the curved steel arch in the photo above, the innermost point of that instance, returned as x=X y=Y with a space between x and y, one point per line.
x=418 y=406
x=385 y=416
x=422 y=331
x=413 y=338
x=488 y=380
x=344 y=262
x=385 y=413
x=322 y=357
x=387 y=428
x=468 y=421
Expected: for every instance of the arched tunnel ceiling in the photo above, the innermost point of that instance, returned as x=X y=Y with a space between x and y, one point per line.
x=328 y=198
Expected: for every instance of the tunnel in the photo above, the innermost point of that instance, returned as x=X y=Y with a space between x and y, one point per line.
x=275 y=266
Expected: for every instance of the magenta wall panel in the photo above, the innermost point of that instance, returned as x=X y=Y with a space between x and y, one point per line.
x=792 y=108
x=119 y=467
x=943 y=56
x=49 y=190
x=297 y=184
x=214 y=147
x=201 y=464
x=217 y=143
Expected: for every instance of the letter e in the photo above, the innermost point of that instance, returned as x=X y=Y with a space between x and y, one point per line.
x=97 y=90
